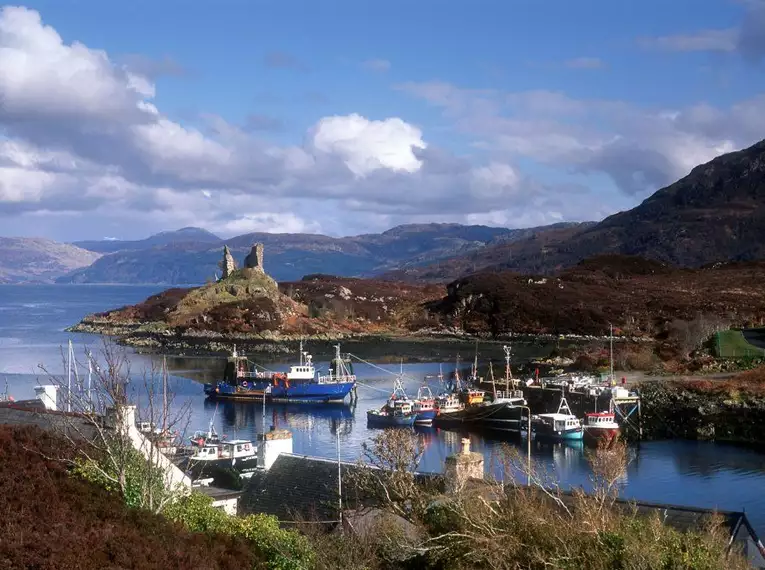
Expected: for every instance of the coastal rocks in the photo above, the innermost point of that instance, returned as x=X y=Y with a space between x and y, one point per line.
x=692 y=410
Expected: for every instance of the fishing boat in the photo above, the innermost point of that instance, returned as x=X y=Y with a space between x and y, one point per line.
x=237 y=454
x=600 y=427
x=424 y=406
x=244 y=381
x=397 y=411
x=202 y=437
x=505 y=413
x=559 y=426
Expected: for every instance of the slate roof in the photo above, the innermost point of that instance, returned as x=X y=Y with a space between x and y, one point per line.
x=74 y=425
x=298 y=487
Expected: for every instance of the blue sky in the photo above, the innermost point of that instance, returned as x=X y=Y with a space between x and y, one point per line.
x=303 y=116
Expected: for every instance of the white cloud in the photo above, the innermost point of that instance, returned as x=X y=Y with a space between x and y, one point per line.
x=640 y=149
x=366 y=146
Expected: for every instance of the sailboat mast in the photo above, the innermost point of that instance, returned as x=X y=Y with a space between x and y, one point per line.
x=164 y=394
x=90 y=382
x=69 y=378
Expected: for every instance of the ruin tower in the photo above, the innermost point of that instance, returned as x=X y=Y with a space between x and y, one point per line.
x=255 y=258
x=228 y=265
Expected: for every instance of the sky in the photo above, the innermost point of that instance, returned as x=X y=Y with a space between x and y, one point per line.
x=121 y=119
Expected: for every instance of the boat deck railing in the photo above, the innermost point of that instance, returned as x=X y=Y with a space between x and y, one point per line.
x=329 y=379
x=256 y=374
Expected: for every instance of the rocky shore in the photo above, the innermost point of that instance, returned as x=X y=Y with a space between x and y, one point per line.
x=703 y=410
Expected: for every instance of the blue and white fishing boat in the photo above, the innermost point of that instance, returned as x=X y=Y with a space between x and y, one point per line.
x=245 y=381
x=397 y=411
x=559 y=426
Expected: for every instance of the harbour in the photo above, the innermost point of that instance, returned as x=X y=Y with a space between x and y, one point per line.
x=702 y=474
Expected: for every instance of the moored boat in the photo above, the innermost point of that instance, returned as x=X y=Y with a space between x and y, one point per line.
x=424 y=406
x=397 y=411
x=302 y=384
x=559 y=426
x=237 y=454
x=600 y=428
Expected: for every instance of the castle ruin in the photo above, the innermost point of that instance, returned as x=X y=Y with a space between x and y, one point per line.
x=255 y=258
x=228 y=265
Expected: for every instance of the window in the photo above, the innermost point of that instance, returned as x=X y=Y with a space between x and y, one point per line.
x=239 y=448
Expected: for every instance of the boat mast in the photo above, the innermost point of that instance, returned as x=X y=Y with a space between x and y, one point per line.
x=69 y=378
x=457 y=374
x=611 y=327
x=491 y=375
x=475 y=364
x=164 y=394
x=508 y=372
x=90 y=381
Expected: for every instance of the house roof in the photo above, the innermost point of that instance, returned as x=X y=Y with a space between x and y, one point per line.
x=74 y=425
x=298 y=487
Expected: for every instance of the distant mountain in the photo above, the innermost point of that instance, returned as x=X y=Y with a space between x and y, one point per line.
x=39 y=260
x=716 y=213
x=184 y=235
x=288 y=257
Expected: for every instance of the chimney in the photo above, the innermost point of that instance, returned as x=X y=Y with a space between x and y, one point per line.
x=272 y=444
x=462 y=466
x=47 y=395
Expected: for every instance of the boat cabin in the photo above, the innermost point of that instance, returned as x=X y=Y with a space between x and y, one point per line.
x=605 y=420
x=229 y=450
x=560 y=422
x=472 y=396
x=448 y=403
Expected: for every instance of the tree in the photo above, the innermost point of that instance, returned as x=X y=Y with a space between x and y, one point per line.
x=101 y=424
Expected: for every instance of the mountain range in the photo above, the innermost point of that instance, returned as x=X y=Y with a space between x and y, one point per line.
x=191 y=255
x=715 y=213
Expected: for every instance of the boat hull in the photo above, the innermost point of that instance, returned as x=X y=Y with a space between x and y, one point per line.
x=502 y=416
x=600 y=436
x=545 y=432
x=245 y=466
x=303 y=393
x=382 y=420
x=425 y=417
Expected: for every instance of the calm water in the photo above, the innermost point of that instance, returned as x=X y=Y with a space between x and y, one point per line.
x=32 y=322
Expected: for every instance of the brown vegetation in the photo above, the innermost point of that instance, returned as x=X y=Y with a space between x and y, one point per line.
x=318 y=304
x=501 y=525
x=641 y=298
x=52 y=520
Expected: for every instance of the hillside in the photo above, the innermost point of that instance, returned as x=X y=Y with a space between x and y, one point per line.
x=715 y=213
x=642 y=298
x=291 y=256
x=183 y=235
x=25 y=260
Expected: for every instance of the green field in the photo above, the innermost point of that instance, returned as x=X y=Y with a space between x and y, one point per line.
x=732 y=344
